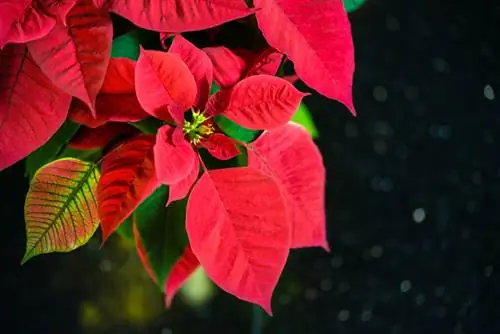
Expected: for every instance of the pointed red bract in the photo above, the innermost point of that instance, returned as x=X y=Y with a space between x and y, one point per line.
x=228 y=66
x=141 y=252
x=179 y=190
x=174 y=156
x=221 y=146
x=31 y=107
x=127 y=178
x=117 y=101
x=75 y=56
x=290 y=156
x=91 y=139
x=198 y=63
x=262 y=102
x=178 y=15
x=25 y=21
x=179 y=274
x=267 y=62
x=163 y=79
x=322 y=52
x=237 y=227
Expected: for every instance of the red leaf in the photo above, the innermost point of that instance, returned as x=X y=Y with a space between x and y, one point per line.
x=199 y=64
x=228 y=66
x=25 y=21
x=178 y=15
x=221 y=146
x=127 y=178
x=179 y=274
x=163 y=79
x=75 y=56
x=237 y=227
x=26 y=123
x=91 y=139
x=174 y=158
x=266 y=62
x=262 y=102
x=291 y=157
x=316 y=36
x=141 y=252
x=179 y=190
x=163 y=38
x=117 y=101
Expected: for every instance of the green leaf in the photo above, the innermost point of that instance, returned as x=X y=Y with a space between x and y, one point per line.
x=51 y=149
x=214 y=89
x=303 y=117
x=126 y=46
x=351 y=5
x=148 y=125
x=61 y=208
x=126 y=229
x=85 y=155
x=234 y=130
x=162 y=231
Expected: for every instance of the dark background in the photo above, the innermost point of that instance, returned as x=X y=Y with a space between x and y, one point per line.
x=425 y=143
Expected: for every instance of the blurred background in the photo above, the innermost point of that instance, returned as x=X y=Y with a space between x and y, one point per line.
x=413 y=219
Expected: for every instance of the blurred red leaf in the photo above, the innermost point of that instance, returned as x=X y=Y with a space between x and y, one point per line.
x=117 y=101
x=237 y=227
x=316 y=36
x=75 y=56
x=289 y=155
x=96 y=138
x=181 y=271
x=26 y=122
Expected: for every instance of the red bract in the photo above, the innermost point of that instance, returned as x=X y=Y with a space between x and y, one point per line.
x=237 y=227
x=166 y=88
x=179 y=274
x=316 y=36
x=90 y=139
x=24 y=21
x=116 y=101
x=177 y=15
x=26 y=123
x=127 y=178
x=232 y=66
x=291 y=158
x=75 y=55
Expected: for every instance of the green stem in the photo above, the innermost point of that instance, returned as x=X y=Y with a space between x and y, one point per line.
x=257 y=317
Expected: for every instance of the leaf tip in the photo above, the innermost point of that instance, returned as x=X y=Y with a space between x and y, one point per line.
x=26 y=258
x=266 y=306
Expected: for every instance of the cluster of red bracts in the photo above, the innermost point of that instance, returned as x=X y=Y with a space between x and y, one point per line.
x=241 y=222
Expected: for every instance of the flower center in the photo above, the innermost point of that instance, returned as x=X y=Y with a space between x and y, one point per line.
x=199 y=128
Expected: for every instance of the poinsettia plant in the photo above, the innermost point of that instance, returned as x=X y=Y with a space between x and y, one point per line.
x=170 y=133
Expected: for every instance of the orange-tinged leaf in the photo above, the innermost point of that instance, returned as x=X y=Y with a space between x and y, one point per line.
x=128 y=177
x=237 y=227
x=289 y=155
x=75 y=56
x=26 y=122
x=61 y=207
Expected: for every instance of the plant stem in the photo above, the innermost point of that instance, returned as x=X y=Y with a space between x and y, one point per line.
x=257 y=317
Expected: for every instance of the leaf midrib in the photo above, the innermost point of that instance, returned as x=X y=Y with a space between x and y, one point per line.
x=65 y=206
